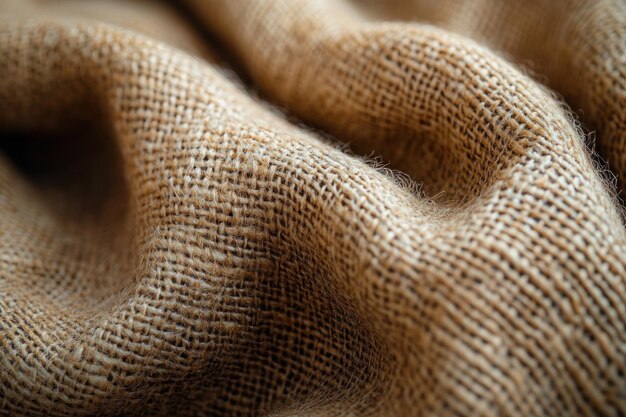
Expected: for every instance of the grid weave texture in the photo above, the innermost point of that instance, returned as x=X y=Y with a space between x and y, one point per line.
x=172 y=244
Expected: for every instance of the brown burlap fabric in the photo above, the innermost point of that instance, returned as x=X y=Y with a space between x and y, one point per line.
x=171 y=244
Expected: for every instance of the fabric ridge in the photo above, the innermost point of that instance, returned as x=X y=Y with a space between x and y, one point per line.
x=312 y=207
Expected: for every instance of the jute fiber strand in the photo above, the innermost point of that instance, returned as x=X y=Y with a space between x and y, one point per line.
x=173 y=244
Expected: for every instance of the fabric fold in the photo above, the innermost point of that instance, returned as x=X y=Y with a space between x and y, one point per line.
x=200 y=253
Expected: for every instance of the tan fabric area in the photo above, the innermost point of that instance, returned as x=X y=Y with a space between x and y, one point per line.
x=172 y=244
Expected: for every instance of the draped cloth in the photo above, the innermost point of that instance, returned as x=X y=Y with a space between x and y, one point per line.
x=312 y=207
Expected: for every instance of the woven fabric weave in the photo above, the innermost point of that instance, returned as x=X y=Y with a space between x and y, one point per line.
x=312 y=207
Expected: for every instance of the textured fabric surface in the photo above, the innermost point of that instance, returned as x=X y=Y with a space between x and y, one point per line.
x=312 y=207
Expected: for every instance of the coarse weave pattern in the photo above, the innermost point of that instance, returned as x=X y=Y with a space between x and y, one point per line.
x=172 y=244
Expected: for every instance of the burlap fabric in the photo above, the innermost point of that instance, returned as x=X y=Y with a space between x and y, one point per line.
x=172 y=244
